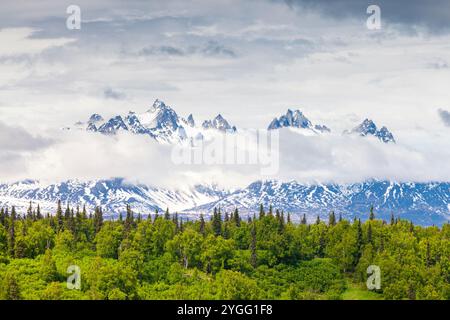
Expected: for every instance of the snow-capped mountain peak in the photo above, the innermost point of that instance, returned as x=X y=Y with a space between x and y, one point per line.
x=369 y=128
x=95 y=118
x=296 y=119
x=160 y=122
x=219 y=123
x=190 y=120
x=160 y=116
x=113 y=125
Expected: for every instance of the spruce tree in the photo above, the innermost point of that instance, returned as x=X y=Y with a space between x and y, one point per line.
x=369 y=233
x=38 y=212
x=59 y=217
x=2 y=216
x=332 y=219
x=202 y=224
x=261 y=211
x=303 y=221
x=236 y=218
x=12 y=232
x=167 y=214
x=392 y=219
x=253 y=257
x=217 y=223
x=372 y=215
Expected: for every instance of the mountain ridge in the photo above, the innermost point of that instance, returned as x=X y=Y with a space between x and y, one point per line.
x=423 y=203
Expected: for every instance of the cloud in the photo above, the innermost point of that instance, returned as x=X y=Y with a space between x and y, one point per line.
x=20 y=42
x=15 y=139
x=307 y=159
x=211 y=48
x=109 y=93
x=435 y=16
x=445 y=116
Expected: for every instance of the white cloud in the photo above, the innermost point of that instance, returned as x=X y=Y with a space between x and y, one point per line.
x=18 y=41
x=329 y=158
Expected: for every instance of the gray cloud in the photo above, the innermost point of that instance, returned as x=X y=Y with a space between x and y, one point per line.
x=16 y=139
x=110 y=93
x=211 y=48
x=438 y=65
x=435 y=15
x=445 y=116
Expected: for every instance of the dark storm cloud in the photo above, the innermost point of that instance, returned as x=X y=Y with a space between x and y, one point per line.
x=434 y=15
x=445 y=116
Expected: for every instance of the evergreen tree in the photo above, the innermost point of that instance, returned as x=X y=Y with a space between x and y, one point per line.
x=59 y=217
x=202 y=224
x=30 y=212
x=359 y=241
x=369 y=233
x=84 y=213
x=98 y=219
x=261 y=211
x=12 y=232
x=303 y=221
x=318 y=220
x=253 y=256
x=372 y=215
x=38 y=212
x=67 y=218
x=167 y=214
x=217 y=223
x=236 y=218
x=2 y=216
x=392 y=219
x=332 y=219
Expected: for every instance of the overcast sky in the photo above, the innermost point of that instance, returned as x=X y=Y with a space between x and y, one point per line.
x=248 y=60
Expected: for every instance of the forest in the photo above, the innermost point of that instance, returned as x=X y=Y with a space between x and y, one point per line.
x=224 y=256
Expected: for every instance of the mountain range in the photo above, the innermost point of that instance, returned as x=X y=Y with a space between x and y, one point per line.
x=160 y=122
x=422 y=203
x=163 y=124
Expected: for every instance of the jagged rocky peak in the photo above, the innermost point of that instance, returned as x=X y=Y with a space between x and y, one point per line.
x=322 y=128
x=113 y=125
x=369 y=128
x=219 y=123
x=134 y=124
x=296 y=119
x=160 y=116
x=190 y=120
x=95 y=118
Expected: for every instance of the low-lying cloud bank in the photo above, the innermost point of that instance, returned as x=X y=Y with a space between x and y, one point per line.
x=306 y=159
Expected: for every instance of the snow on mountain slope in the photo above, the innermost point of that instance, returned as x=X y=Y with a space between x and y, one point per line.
x=297 y=120
x=422 y=203
x=160 y=122
x=113 y=195
x=369 y=128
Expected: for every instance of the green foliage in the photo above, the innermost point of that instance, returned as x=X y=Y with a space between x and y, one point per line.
x=223 y=258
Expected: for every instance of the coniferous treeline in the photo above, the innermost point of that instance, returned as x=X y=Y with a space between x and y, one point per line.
x=267 y=256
